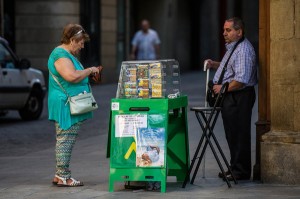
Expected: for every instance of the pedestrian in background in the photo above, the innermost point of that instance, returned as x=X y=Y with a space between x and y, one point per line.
x=145 y=43
x=64 y=65
x=241 y=74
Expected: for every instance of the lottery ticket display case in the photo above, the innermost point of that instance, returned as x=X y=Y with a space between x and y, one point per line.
x=148 y=132
x=149 y=79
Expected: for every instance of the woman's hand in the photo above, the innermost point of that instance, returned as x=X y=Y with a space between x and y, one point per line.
x=93 y=70
x=96 y=76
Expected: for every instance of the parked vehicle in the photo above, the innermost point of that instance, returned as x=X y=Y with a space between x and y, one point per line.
x=22 y=88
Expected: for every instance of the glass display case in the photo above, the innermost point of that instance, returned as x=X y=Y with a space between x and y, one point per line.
x=149 y=79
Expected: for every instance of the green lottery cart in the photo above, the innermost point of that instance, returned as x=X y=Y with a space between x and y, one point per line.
x=148 y=134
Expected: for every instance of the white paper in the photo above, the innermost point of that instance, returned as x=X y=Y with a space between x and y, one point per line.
x=115 y=106
x=127 y=125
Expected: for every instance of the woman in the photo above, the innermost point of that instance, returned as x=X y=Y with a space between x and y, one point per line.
x=73 y=77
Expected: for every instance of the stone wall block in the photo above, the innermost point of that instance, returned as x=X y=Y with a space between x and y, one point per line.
x=40 y=22
x=47 y=7
x=46 y=35
x=297 y=106
x=281 y=26
x=282 y=106
x=34 y=49
x=284 y=58
x=108 y=38
x=109 y=2
x=108 y=50
x=280 y=163
x=297 y=19
x=109 y=11
x=109 y=24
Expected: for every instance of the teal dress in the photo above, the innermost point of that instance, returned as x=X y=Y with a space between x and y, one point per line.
x=58 y=108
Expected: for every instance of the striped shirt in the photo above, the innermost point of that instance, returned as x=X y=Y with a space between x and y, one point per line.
x=241 y=66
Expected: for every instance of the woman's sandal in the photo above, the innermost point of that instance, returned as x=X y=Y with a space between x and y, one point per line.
x=74 y=183
x=55 y=180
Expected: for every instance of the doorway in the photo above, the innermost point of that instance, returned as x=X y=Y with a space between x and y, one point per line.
x=90 y=20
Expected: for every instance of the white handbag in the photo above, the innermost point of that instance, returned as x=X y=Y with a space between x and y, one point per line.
x=81 y=103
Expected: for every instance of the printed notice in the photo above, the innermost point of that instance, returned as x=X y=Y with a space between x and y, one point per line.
x=127 y=125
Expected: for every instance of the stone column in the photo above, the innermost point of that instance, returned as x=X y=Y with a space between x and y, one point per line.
x=109 y=39
x=280 y=147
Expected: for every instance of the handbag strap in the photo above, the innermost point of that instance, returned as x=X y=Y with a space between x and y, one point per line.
x=225 y=66
x=56 y=80
x=62 y=88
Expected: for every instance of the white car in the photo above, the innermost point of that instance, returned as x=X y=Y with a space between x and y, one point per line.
x=22 y=88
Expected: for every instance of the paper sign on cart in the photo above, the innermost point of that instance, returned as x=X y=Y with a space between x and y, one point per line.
x=127 y=125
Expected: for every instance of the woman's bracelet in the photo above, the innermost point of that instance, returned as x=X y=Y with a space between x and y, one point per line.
x=91 y=70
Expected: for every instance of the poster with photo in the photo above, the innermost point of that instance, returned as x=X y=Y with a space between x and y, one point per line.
x=150 y=147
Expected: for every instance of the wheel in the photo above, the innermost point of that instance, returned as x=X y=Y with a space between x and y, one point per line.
x=34 y=106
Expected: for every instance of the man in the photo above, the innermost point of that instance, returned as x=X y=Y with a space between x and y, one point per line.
x=145 y=44
x=239 y=101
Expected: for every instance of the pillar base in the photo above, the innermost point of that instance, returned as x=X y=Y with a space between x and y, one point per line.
x=262 y=127
x=280 y=158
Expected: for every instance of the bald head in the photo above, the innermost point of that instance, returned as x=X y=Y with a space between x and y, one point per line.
x=145 y=25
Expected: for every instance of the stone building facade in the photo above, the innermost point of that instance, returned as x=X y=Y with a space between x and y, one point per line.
x=278 y=128
x=37 y=26
x=190 y=31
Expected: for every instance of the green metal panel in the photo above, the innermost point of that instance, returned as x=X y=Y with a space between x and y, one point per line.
x=169 y=114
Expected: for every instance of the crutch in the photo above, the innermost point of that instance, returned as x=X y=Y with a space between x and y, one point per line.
x=206 y=105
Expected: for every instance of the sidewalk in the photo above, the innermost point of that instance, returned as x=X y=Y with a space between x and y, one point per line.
x=29 y=176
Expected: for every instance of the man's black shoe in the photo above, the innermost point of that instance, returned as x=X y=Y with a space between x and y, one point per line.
x=220 y=175
x=237 y=177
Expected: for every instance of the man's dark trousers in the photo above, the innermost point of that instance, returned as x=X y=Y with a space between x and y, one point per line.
x=236 y=114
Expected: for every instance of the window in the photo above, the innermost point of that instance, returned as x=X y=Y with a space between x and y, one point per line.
x=6 y=60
